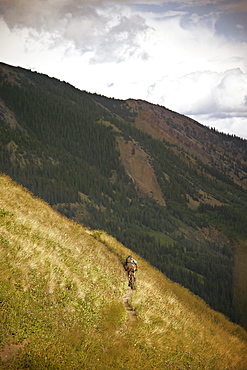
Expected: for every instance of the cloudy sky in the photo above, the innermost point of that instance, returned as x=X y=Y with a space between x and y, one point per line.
x=187 y=55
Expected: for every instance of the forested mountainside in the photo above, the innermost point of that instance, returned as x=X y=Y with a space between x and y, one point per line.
x=167 y=187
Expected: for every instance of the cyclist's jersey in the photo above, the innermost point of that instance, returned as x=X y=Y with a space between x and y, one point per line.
x=130 y=266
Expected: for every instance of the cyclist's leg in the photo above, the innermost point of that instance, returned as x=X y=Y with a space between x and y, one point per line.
x=129 y=277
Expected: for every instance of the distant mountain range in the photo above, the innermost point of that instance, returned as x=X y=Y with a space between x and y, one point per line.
x=167 y=187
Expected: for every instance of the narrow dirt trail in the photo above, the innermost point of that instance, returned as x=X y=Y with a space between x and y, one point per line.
x=131 y=313
x=10 y=350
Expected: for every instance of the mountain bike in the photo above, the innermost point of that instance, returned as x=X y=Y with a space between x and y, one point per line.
x=132 y=279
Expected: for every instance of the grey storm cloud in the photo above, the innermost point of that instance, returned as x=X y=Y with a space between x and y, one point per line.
x=103 y=28
x=46 y=13
x=83 y=20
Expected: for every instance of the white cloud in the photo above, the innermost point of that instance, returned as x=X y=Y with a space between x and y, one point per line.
x=204 y=92
x=228 y=125
x=209 y=97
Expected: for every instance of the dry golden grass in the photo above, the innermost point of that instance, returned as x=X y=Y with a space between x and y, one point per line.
x=61 y=292
x=175 y=320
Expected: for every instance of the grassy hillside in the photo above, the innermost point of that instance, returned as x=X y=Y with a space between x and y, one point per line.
x=62 y=292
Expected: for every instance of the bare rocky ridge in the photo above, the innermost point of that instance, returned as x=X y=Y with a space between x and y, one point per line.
x=196 y=140
x=136 y=163
x=9 y=116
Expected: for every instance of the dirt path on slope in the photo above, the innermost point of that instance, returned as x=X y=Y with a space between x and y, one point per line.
x=10 y=350
x=130 y=312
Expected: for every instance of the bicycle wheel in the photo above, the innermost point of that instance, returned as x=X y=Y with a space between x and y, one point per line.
x=132 y=280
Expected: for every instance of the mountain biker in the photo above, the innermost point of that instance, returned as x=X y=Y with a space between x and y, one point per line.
x=130 y=265
x=130 y=259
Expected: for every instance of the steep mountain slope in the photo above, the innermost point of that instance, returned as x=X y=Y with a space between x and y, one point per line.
x=167 y=187
x=61 y=296
x=225 y=152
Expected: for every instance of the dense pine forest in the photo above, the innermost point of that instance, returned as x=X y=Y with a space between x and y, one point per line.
x=64 y=146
